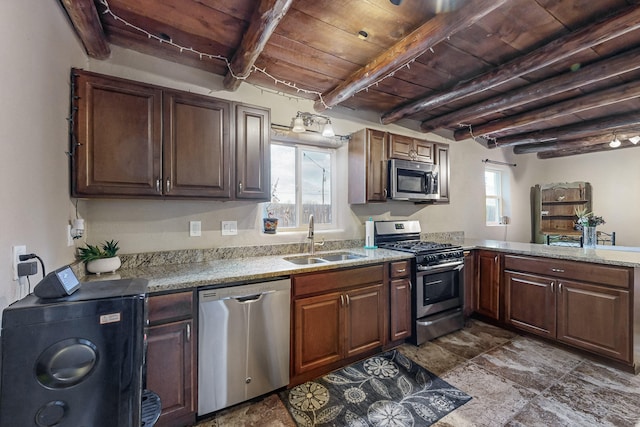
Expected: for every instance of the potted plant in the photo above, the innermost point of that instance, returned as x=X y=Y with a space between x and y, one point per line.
x=101 y=258
x=270 y=223
x=587 y=222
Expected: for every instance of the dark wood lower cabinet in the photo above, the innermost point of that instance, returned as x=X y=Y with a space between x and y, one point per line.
x=171 y=369
x=595 y=318
x=592 y=316
x=337 y=316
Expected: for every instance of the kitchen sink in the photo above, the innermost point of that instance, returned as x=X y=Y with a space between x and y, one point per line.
x=341 y=256
x=319 y=259
x=304 y=260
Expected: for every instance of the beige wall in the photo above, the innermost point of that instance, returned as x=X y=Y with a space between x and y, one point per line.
x=35 y=200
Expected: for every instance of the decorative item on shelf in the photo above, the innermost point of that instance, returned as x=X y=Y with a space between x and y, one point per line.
x=101 y=258
x=587 y=223
x=270 y=223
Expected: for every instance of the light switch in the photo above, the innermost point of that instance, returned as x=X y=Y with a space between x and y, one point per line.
x=195 y=228
x=229 y=228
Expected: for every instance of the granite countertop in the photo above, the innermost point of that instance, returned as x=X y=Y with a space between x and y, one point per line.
x=237 y=270
x=602 y=254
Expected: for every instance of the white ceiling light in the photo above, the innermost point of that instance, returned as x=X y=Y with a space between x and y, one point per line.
x=327 y=130
x=635 y=139
x=615 y=143
x=298 y=125
x=313 y=122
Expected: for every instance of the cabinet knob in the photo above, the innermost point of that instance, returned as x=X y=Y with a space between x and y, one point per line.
x=158 y=185
x=240 y=186
x=168 y=185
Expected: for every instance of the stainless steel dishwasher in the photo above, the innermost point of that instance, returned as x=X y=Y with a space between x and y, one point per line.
x=243 y=343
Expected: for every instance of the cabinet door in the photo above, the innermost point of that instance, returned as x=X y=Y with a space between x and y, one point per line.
x=118 y=140
x=197 y=156
x=400 y=313
x=376 y=166
x=401 y=147
x=424 y=150
x=530 y=303
x=253 y=164
x=595 y=318
x=487 y=289
x=442 y=160
x=364 y=320
x=170 y=374
x=318 y=331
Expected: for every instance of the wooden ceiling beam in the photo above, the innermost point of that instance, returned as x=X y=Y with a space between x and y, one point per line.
x=409 y=48
x=561 y=48
x=621 y=134
x=575 y=105
x=85 y=20
x=574 y=131
x=583 y=150
x=592 y=73
x=263 y=23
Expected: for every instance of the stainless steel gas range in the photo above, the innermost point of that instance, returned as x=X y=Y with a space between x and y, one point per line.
x=437 y=278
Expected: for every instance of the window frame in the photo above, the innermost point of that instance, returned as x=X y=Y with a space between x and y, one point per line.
x=302 y=223
x=499 y=197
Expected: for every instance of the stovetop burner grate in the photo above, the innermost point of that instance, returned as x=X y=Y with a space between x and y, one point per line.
x=417 y=246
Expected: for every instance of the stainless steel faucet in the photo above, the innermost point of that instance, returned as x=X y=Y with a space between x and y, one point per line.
x=312 y=245
x=310 y=236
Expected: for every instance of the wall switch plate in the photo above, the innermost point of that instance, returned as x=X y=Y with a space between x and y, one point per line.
x=229 y=228
x=17 y=251
x=195 y=228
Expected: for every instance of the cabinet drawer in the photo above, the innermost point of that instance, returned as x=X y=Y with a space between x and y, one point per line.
x=400 y=269
x=167 y=307
x=581 y=271
x=315 y=283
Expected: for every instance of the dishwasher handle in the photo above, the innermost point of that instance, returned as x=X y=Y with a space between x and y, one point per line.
x=246 y=299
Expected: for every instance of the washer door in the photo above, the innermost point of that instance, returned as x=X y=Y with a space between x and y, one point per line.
x=66 y=363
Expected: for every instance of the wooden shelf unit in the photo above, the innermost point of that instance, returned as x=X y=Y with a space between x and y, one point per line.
x=553 y=208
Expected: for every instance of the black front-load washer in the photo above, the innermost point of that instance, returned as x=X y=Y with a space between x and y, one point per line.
x=76 y=361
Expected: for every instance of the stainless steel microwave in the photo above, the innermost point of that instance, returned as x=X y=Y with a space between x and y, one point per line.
x=413 y=180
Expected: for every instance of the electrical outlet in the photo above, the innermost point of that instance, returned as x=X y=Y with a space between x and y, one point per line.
x=195 y=228
x=229 y=228
x=17 y=251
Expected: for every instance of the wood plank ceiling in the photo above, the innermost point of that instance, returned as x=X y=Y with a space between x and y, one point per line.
x=552 y=77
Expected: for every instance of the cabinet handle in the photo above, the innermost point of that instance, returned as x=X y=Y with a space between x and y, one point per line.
x=557 y=270
x=158 y=185
x=347 y=298
x=552 y=287
x=560 y=287
x=384 y=193
x=341 y=300
x=410 y=285
x=168 y=185
x=401 y=271
x=240 y=186
x=188 y=332
x=495 y=259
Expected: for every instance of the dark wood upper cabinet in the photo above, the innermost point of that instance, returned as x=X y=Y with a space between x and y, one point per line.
x=409 y=148
x=117 y=148
x=197 y=155
x=253 y=153
x=368 y=166
x=137 y=140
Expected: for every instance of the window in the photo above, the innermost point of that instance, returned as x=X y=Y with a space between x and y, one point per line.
x=493 y=196
x=301 y=185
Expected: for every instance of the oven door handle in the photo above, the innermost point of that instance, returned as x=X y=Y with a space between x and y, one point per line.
x=459 y=265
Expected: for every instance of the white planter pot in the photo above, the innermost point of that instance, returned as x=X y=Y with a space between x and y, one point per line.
x=104 y=265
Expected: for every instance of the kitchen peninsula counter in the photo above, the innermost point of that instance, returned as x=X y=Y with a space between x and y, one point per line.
x=602 y=254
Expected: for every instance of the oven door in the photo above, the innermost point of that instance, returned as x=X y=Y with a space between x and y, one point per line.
x=439 y=289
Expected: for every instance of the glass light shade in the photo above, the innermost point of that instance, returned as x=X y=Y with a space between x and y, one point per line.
x=327 y=130
x=615 y=143
x=634 y=139
x=298 y=125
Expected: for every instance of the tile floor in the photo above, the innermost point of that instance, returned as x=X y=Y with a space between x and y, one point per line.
x=514 y=381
